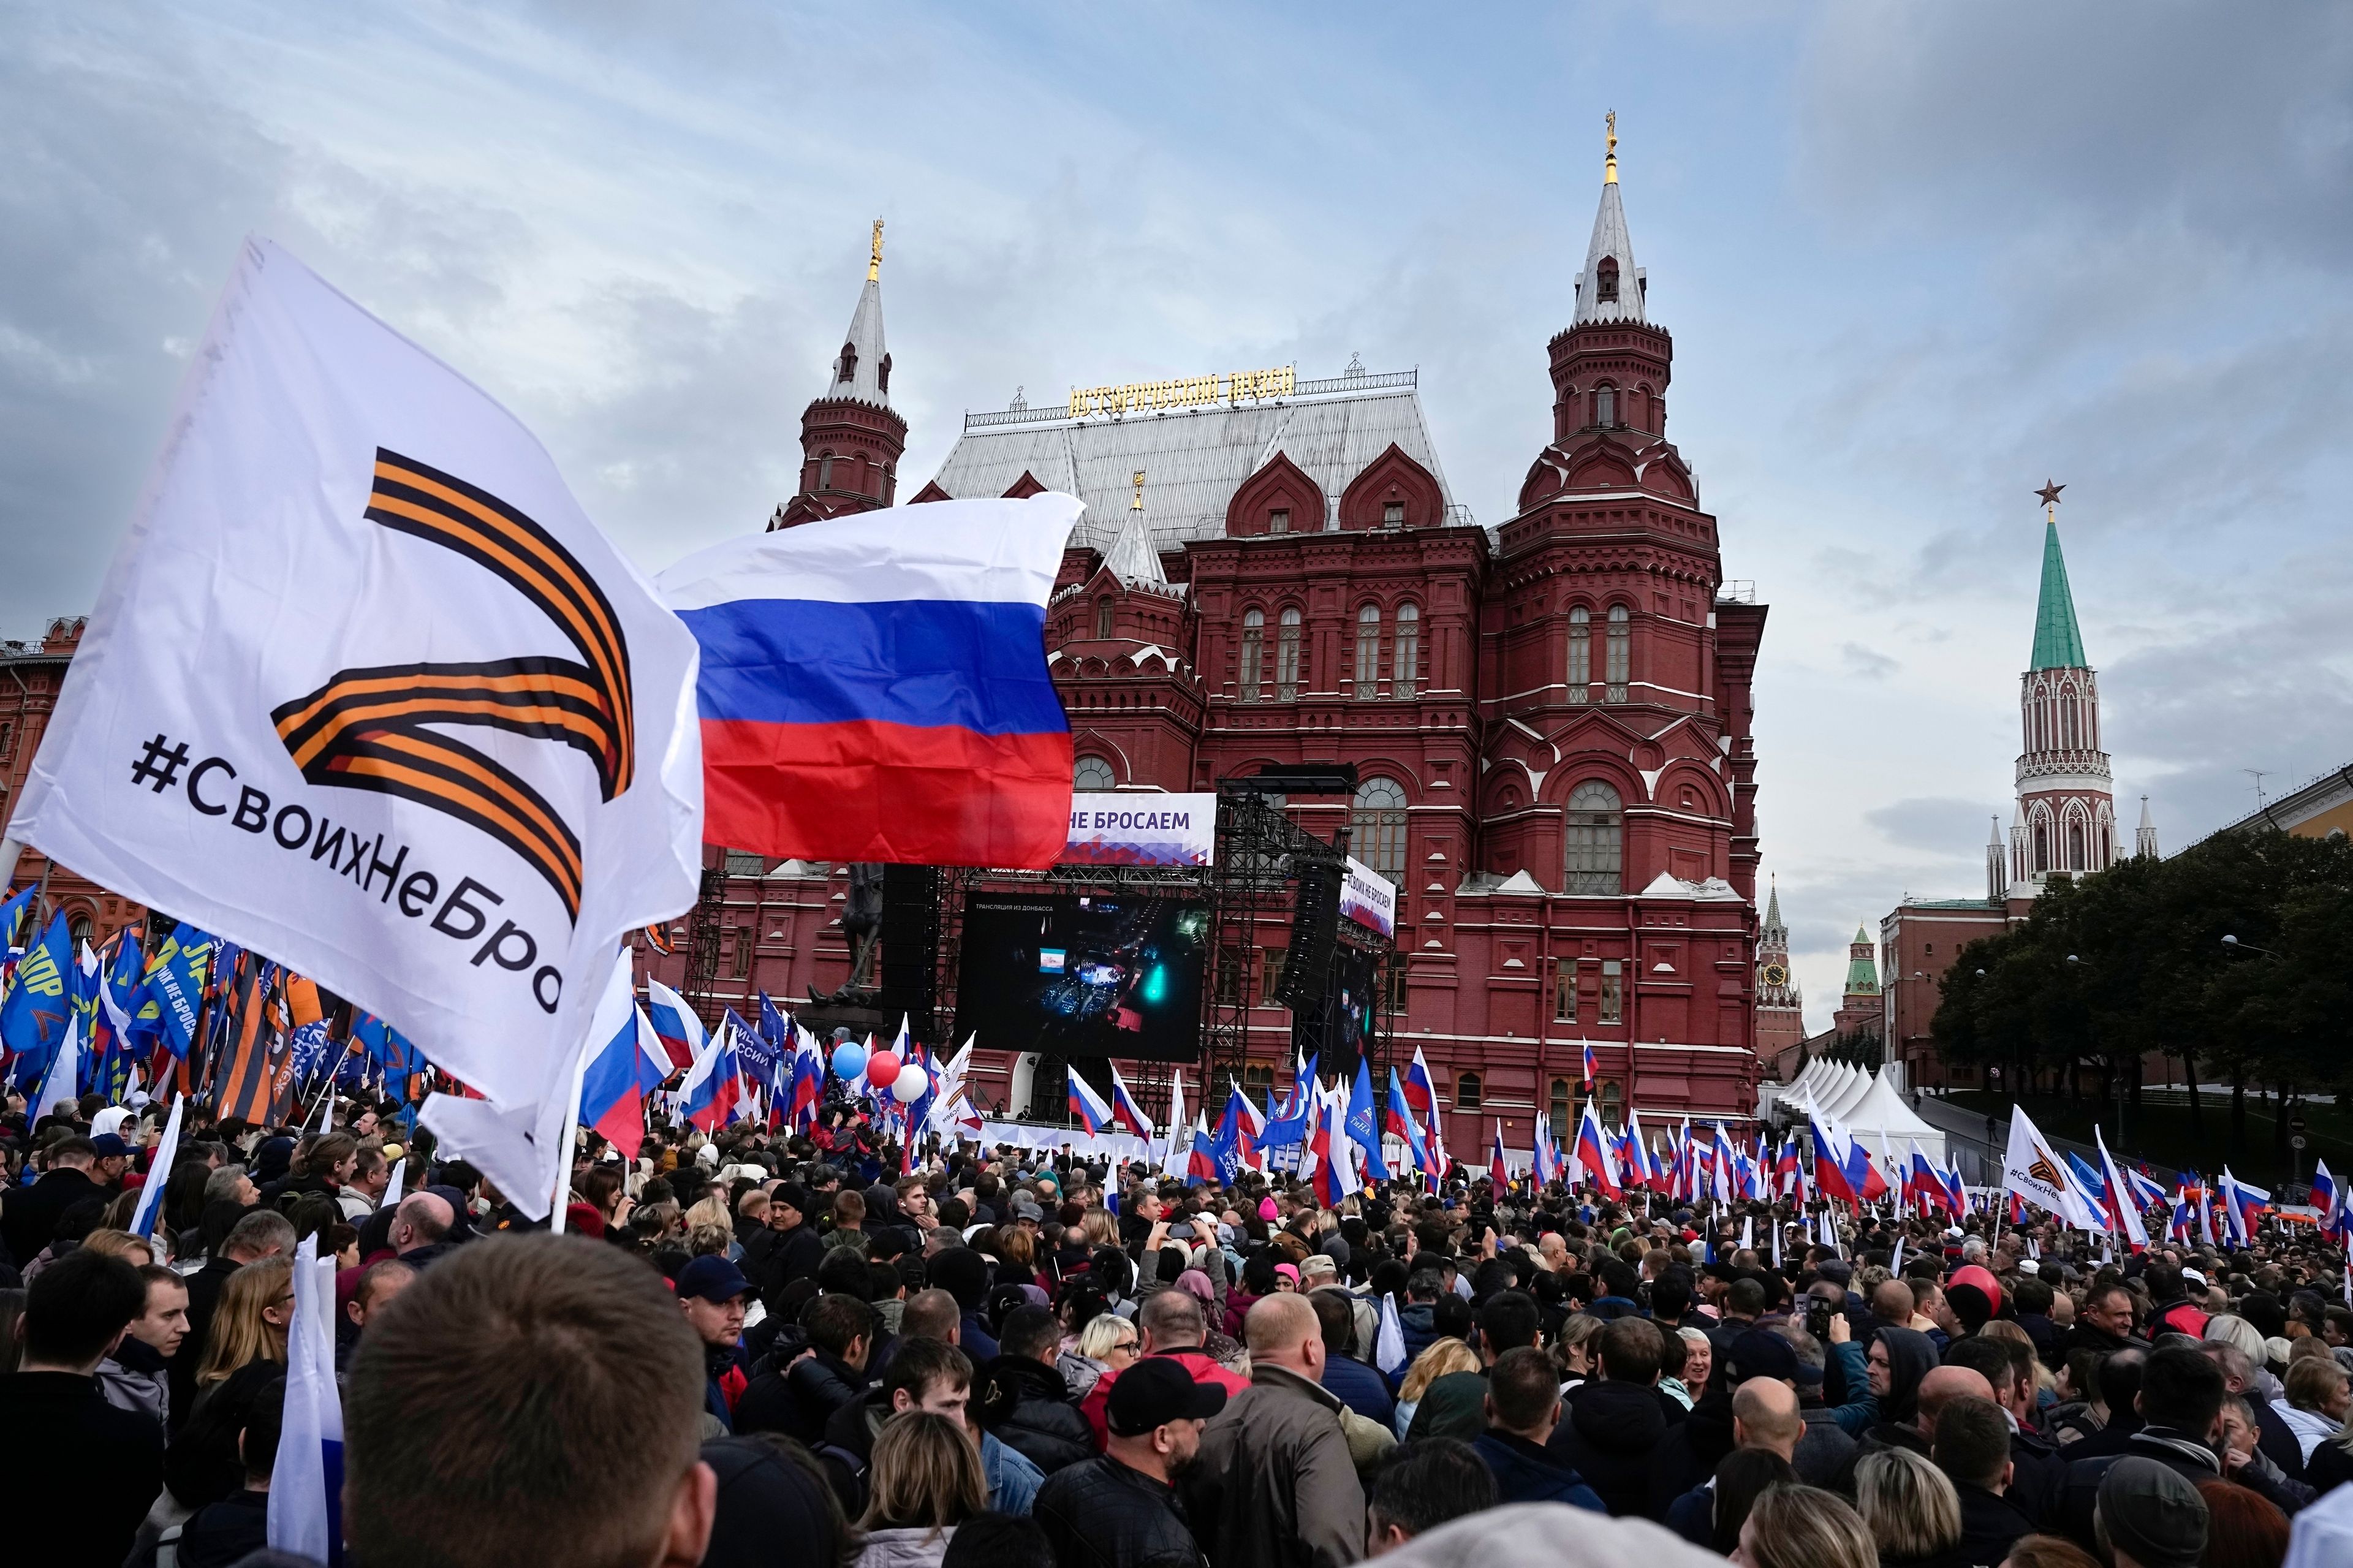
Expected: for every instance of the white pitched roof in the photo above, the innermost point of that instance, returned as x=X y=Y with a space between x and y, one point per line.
x=1132 y=556
x=1610 y=239
x=1194 y=458
x=865 y=383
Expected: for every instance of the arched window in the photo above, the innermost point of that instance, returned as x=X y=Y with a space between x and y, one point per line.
x=849 y=370
x=1605 y=405
x=1466 y=1091
x=1407 y=664
x=825 y=470
x=1103 y=617
x=1092 y=774
x=1376 y=827
x=2075 y=846
x=1580 y=654
x=1286 y=658
x=1605 y=281
x=1613 y=1097
x=1562 y=1130
x=1620 y=653
x=1368 y=649
x=1596 y=838
x=1253 y=651
x=2042 y=847
x=78 y=931
x=1256 y=1079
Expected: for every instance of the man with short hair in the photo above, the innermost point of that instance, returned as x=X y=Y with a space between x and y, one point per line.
x=371 y=1175
x=932 y=1315
x=2104 y=1323
x=1764 y=1417
x=1615 y=1422
x=29 y=1215
x=1168 y=1323
x=1972 y=1447
x=137 y=1374
x=796 y=1393
x=1422 y=1486
x=1275 y=1486
x=1025 y=1402
x=1455 y=1405
x=1359 y=1388
x=1523 y=1405
x=2038 y=1474
x=929 y=1375
x=1120 y=1510
x=87 y=1466
x=529 y=1392
x=2180 y=1405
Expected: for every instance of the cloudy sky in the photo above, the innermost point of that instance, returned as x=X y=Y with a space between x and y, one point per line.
x=1917 y=260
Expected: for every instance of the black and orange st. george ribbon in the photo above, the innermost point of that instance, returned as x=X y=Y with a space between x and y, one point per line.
x=375 y=728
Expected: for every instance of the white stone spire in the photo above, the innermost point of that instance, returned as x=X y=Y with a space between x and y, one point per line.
x=1997 y=866
x=1132 y=556
x=2144 y=836
x=1610 y=287
x=861 y=370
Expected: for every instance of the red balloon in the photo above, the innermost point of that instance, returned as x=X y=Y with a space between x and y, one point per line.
x=881 y=1068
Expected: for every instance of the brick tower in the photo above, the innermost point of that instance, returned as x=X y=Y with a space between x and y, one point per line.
x=2066 y=817
x=850 y=436
x=1780 y=1007
x=1862 y=1009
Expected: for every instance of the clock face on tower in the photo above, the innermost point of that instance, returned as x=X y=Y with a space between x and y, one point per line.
x=1775 y=975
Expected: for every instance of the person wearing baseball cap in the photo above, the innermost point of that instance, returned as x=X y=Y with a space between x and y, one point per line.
x=710 y=1292
x=1119 y=1509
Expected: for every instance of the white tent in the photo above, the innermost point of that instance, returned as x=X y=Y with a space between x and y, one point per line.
x=1880 y=1117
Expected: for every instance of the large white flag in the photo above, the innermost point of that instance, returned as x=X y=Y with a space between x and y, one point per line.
x=366 y=691
x=2034 y=1171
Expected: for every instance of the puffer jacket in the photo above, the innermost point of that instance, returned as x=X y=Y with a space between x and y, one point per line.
x=1028 y=1406
x=1273 y=1486
x=137 y=1378
x=921 y=1547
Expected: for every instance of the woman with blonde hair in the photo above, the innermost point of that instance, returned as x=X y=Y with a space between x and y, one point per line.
x=1803 y=1527
x=1442 y=1356
x=927 y=1479
x=131 y=1249
x=1099 y=1228
x=1910 y=1506
x=256 y=1303
x=1576 y=1349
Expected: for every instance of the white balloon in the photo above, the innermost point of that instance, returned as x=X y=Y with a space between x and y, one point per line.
x=910 y=1086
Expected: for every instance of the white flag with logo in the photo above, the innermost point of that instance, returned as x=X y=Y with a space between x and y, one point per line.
x=2034 y=1171
x=366 y=692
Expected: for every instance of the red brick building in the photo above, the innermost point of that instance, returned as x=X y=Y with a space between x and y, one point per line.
x=1550 y=718
x=30 y=676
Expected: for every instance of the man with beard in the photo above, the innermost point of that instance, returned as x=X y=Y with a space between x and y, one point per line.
x=1121 y=1510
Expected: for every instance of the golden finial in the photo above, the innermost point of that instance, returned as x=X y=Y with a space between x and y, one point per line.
x=1137 y=504
x=874 y=263
x=1609 y=161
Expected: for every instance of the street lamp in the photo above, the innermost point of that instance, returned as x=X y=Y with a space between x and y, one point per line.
x=2235 y=945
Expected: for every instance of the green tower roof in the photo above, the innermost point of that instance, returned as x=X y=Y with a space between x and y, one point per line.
x=2058 y=642
x=1862 y=968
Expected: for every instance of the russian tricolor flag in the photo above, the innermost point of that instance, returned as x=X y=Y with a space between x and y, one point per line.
x=714 y=1086
x=874 y=687
x=1420 y=1088
x=1593 y=1154
x=1123 y=1109
x=675 y=1025
x=1094 y=1113
x=613 y=1090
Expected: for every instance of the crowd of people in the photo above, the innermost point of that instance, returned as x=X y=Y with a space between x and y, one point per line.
x=768 y=1349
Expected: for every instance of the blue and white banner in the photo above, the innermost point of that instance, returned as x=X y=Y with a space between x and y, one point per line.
x=1109 y=829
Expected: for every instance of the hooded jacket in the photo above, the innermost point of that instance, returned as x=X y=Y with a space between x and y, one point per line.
x=1610 y=1436
x=136 y=1377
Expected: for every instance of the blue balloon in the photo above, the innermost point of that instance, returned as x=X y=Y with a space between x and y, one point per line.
x=849 y=1060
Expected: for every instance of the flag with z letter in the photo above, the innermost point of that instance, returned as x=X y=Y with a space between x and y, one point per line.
x=365 y=691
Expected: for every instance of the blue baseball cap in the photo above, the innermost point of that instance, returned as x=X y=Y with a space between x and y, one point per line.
x=713 y=1278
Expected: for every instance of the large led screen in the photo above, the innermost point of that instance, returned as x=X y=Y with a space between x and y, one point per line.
x=1084 y=974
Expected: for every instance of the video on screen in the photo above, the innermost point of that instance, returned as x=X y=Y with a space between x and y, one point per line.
x=1084 y=974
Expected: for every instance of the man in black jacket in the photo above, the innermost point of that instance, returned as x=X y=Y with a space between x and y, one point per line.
x=1025 y=1402
x=797 y=1394
x=789 y=1249
x=90 y=1469
x=2181 y=1410
x=1614 y=1422
x=30 y=1215
x=1972 y=1447
x=1121 y=1510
